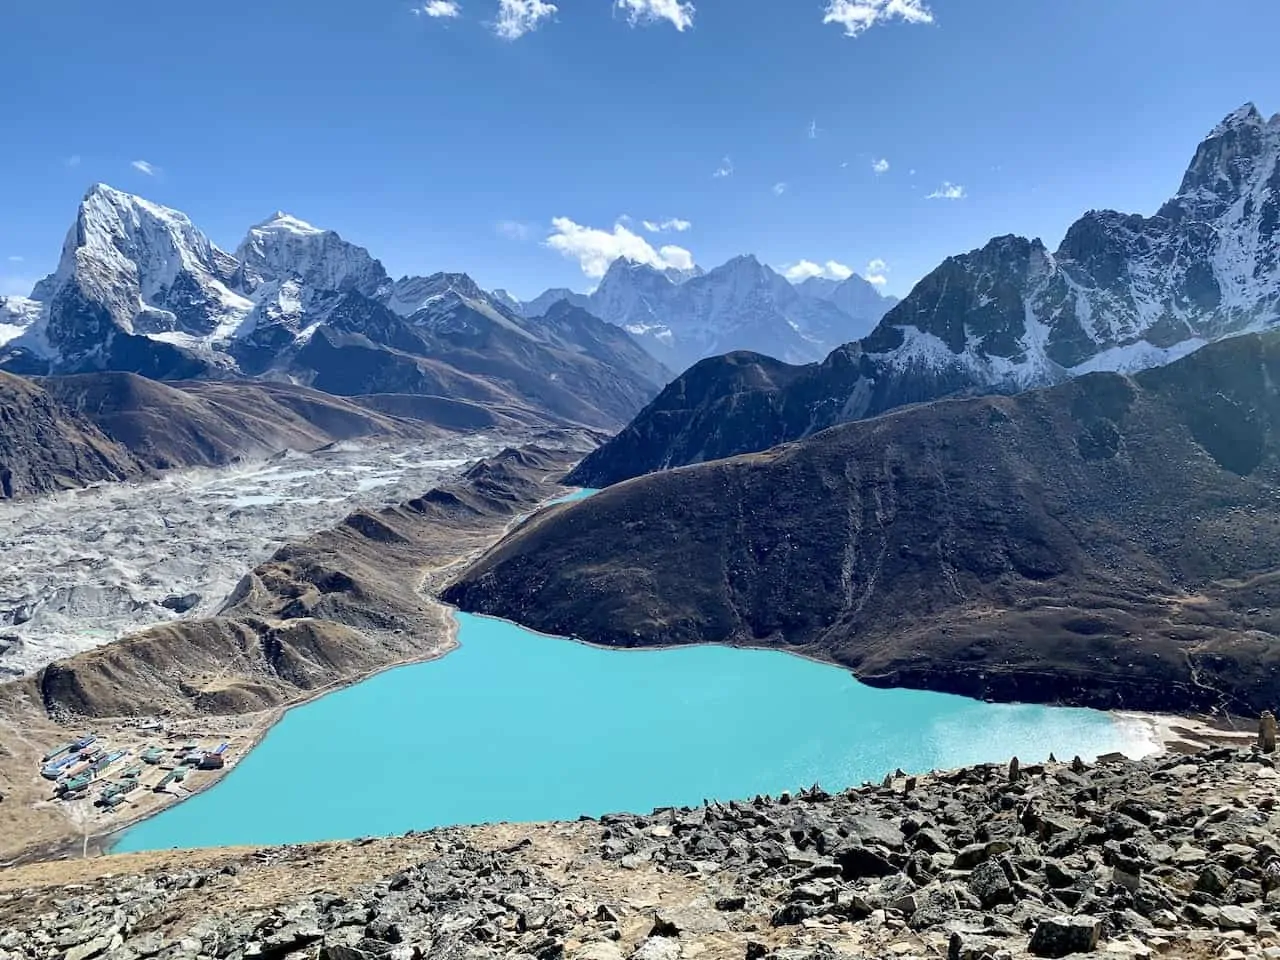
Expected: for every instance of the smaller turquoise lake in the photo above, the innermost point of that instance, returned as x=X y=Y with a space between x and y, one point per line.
x=516 y=726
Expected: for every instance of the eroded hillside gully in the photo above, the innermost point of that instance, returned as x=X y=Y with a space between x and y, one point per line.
x=580 y=729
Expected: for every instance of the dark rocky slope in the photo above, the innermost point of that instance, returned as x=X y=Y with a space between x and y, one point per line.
x=44 y=447
x=1111 y=541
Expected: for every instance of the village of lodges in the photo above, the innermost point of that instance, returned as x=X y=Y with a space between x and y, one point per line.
x=88 y=765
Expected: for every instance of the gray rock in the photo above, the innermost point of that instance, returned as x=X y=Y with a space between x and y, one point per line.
x=934 y=907
x=875 y=830
x=1213 y=880
x=1232 y=917
x=857 y=861
x=990 y=885
x=1063 y=936
x=90 y=949
x=969 y=946
x=977 y=853
x=657 y=948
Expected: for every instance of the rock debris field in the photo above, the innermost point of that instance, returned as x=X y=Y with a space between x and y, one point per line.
x=1170 y=856
x=83 y=568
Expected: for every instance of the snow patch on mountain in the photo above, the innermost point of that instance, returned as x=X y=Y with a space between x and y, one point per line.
x=17 y=316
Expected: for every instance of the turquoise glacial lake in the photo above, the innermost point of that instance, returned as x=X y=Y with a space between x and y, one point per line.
x=517 y=726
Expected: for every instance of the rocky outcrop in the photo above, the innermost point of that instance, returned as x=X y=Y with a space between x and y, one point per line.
x=1173 y=856
x=46 y=447
x=1105 y=542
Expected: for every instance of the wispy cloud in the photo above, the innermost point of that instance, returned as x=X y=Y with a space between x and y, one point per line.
x=813 y=129
x=440 y=9
x=949 y=191
x=807 y=270
x=876 y=271
x=857 y=16
x=518 y=17
x=596 y=249
x=17 y=259
x=663 y=226
x=142 y=166
x=725 y=169
x=779 y=188
x=72 y=161
x=513 y=229
x=880 y=166
x=679 y=15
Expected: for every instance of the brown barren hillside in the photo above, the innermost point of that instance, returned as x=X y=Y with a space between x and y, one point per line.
x=45 y=447
x=1111 y=541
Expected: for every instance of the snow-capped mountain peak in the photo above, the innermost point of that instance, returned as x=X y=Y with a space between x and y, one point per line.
x=145 y=269
x=411 y=295
x=1122 y=292
x=287 y=222
x=284 y=247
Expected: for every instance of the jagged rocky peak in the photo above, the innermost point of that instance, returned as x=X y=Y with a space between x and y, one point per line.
x=284 y=247
x=134 y=266
x=1239 y=152
x=410 y=295
x=118 y=231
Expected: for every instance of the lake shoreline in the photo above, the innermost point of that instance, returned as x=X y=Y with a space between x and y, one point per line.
x=1133 y=735
x=1162 y=733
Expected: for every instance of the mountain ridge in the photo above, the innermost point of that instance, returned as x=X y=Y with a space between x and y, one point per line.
x=1123 y=293
x=140 y=289
x=1108 y=541
x=684 y=317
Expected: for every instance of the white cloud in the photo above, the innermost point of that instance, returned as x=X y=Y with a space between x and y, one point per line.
x=859 y=15
x=518 y=17
x=513 y=229
x=779 y=189
x=725 y=169
x=675 y=223
x=948 y=191
x=72 y=161
x=447 y=9
x=807 y=269
x=880 y=166
x=679 y=15
x=143 y=167
x=876 y=271
x=17 y=259
x=813 y=129
x=595 y=249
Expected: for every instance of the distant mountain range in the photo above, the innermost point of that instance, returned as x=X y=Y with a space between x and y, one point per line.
x=139 y=288
x=1122 y=293
x=684 y=317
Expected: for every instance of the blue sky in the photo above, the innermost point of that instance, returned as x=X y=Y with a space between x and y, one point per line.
x=440 y=145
